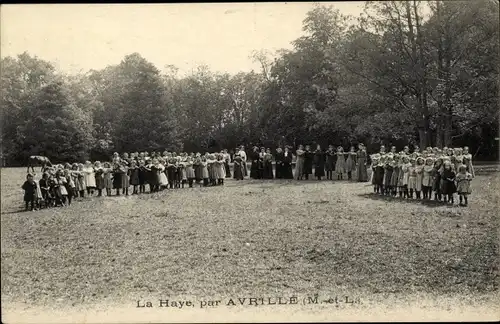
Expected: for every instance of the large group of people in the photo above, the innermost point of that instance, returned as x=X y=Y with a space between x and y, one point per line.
x=443 y=172
x=331 y=163
x=429 y=174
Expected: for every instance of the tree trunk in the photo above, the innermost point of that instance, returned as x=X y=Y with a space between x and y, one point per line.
x=422 y=81
x=440 y=112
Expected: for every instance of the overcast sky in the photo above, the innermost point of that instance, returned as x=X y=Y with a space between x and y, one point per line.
x=82 y=37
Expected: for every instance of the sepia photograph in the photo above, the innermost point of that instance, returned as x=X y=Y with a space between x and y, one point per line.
x=250 y=162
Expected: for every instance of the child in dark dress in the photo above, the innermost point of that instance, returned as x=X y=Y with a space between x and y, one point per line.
x=143 y=175
x=133 y=173
x=45 y=189
x=29 y=188
x=448 y=187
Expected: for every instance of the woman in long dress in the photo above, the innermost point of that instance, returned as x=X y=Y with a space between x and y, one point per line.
x=350 y=162
x=299 y=163
x=254 y=168
x=268 y=165
x=319 y=163
x=287 y=164
x=361 y=172
x=308 y=162
x=340 y=165
x=330 y=162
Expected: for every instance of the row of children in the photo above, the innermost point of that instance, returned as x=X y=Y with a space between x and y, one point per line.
x=432 y=171
x=59 y=184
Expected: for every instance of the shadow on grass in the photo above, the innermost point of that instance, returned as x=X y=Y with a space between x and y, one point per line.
x=292 y=182
x=429 y=203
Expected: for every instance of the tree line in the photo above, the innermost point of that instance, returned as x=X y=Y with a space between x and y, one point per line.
x=404 y=72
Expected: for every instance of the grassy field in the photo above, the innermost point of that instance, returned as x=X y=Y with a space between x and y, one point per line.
x=251 y=239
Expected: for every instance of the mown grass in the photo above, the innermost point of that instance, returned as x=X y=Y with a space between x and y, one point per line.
x=250 y=238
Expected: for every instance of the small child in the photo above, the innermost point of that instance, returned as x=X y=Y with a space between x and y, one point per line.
x=395 y=175
x=107 y=178
x=388 y=170
x=379 y=175
x=436 y=185
x=133 y=173
x=44 y=185
x=70 y=185
x=189 y=171
x=60 y=186
x=412 y=178
x=427 y=178
x=204 y=171
x=463 y=183
x=448 y=187
x=419 y=170
x=375 y=159
x=29 y=188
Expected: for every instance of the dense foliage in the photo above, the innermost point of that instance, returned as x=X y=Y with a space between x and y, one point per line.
x=414 y=72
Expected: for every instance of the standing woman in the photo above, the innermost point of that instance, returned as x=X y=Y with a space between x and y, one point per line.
x=268 y=165
x=330 y=162
x=227 y=159
x=299 y=163
x=308 y=162
x=319 y=163
x=287 y=164
x=238 y=167
x=361 y=172
x=340 y=165
x=254 y=169
x=279 y=163
x=350 y=163
x=262 y=155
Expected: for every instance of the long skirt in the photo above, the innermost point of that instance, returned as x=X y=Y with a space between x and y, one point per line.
x=163 y=179
x=394 y=177
x=448 y=187
x=418 y=182
x=299 y=168
x=228 y=170
x=340 y=166
x=361 y=172
x=118 y=180
x=287 y=171
x=238 y=171
x=190 y=172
